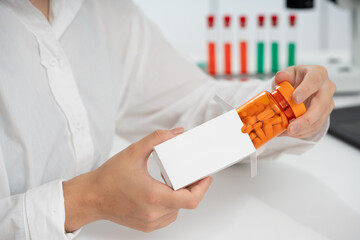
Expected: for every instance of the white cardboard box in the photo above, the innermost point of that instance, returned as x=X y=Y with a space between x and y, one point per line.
x=204 y=150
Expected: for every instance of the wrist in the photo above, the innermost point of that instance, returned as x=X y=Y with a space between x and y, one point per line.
x=80 y=201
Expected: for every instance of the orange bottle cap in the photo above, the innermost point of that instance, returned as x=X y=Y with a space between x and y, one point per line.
x=287 y=90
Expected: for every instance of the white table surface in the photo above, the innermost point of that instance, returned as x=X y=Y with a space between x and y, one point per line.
x=313 y=196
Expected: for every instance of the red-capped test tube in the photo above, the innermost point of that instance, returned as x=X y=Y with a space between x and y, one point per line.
x=243 y=45
x=211 y=45
x=261 y=44
x=227 y=45
x=275 y=38
x=292 y=40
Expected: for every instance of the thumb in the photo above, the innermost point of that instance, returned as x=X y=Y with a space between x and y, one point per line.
x=146 y=145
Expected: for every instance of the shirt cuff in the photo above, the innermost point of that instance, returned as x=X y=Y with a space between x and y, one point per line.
x=45 y=212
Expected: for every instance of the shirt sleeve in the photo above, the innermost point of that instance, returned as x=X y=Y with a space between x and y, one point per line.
x=38 y=213
x=167 y=90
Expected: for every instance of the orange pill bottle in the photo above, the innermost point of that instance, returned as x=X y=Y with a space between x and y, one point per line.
x=268 y=114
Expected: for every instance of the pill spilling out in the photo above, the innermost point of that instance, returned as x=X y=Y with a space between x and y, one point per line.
x=267 y=115
x=263 y=122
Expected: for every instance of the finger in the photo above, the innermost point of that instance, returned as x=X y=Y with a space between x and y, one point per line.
x=317 y=110
x=312 y=82
x=288 y=74
x=146 y=145
x=186 y=197
x=198 y=191
x=316 y=126
x=302 y=123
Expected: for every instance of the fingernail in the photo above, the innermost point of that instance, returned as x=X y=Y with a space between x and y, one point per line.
x=293 y=128
x=177 y=130
x=298 y=97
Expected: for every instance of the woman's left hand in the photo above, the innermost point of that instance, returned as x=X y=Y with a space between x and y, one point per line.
x=314 y=88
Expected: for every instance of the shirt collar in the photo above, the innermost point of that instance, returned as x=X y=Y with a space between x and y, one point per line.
x=61 y=14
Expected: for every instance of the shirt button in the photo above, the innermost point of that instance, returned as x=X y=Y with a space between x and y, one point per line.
x=53 y=62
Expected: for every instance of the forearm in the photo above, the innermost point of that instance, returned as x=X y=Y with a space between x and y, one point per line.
x=80 y=200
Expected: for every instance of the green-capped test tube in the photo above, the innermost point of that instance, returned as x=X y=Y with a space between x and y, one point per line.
x=260 y=45
x=292 y=40
x=260 y=57
x=291 y=49
x=274 y=57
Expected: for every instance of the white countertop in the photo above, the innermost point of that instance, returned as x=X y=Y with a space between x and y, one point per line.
x=313 y=196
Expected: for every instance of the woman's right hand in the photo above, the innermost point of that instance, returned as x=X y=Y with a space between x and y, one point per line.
x=122 y=191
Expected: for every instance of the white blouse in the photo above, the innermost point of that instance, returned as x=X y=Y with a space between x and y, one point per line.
x=96 y=69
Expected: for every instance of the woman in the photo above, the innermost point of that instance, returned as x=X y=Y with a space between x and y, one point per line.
x=74 y=73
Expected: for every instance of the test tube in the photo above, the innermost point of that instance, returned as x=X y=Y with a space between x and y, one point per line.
x=227 y=45
x=211 y=45
x=260 y=44
x=292 y=40
x=274 y=44
x=243 y=45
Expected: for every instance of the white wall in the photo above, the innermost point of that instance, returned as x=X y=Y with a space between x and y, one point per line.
x=183 y=22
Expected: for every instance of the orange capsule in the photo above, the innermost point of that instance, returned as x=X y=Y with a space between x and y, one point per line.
x=250 y=120
x=242 y=114
x=243 y=129
x=251 y=110
x=260 y=108
x=268 y=129
x=249 y=129
x=246 y=129
x=257 y=142
x=274 y=120
x=284 y=121
x=258 y=125
x=252 y=135
x=260 y=134
x=268 y=107
x=277 y=128
x=268 y=113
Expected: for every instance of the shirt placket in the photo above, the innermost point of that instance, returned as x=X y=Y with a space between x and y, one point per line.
x=65 y=92
x=60 y=76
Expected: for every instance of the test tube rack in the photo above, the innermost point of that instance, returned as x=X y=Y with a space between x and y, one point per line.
x=221 y=53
